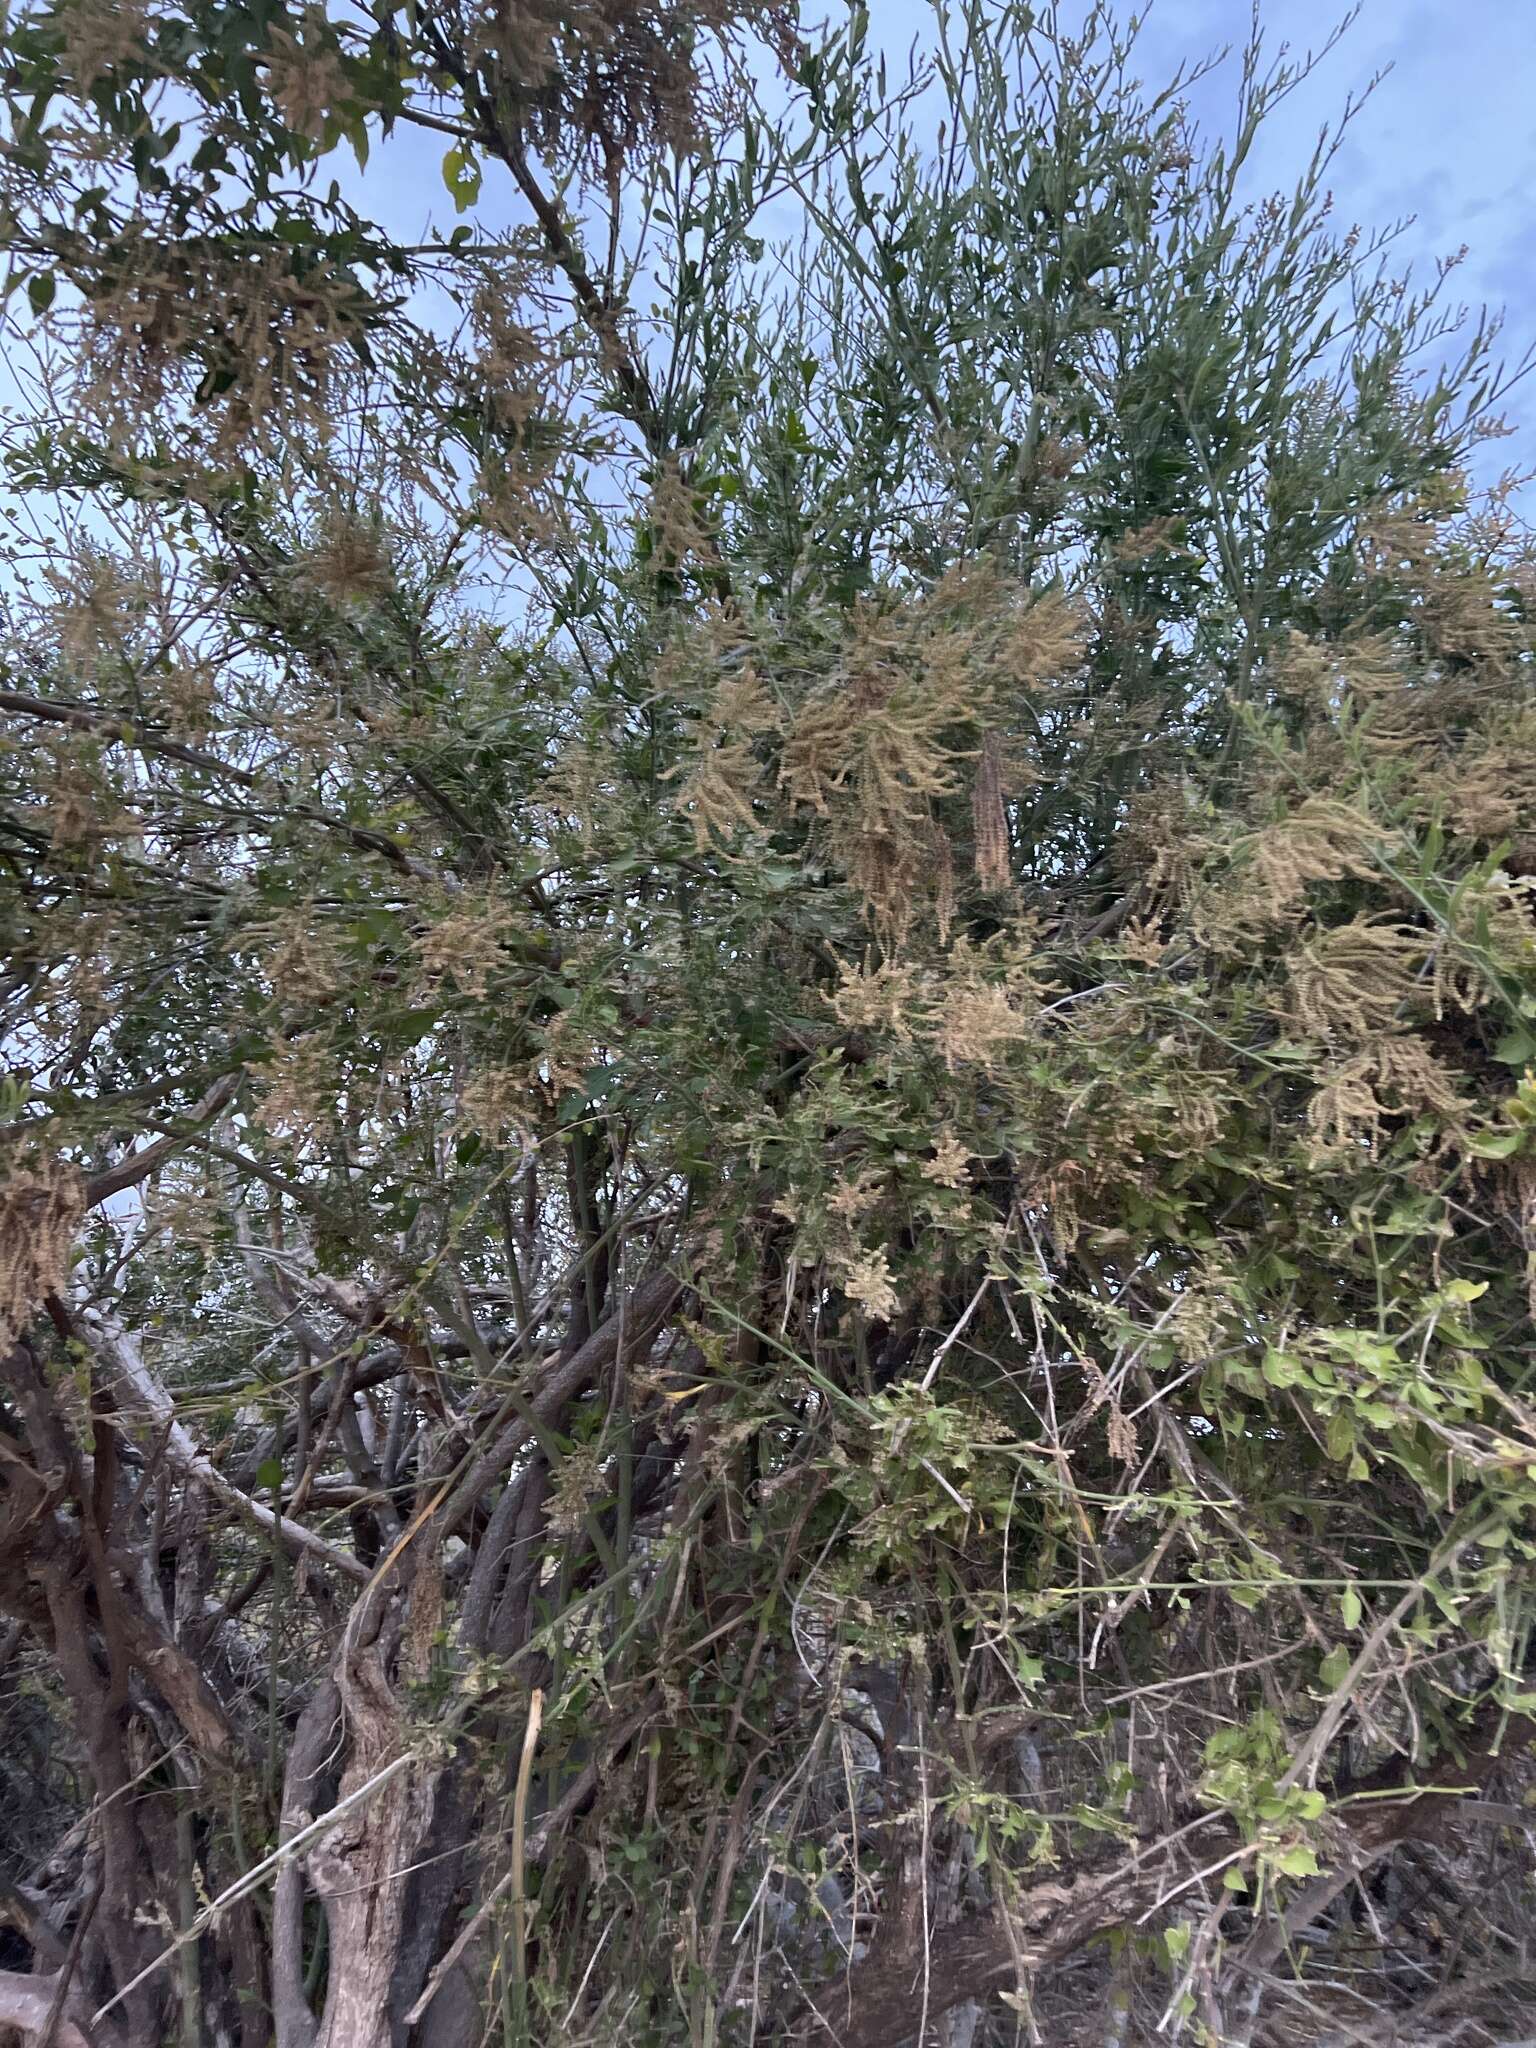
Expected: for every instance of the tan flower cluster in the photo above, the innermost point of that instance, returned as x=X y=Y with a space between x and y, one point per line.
x=299 y=1096
x=565 y=1053
x=984 y=1002
x=1200 y=1312
x=467 y=945
x=1320 y=841
x=678 y=530
x=73 y=816
x=1489 y=786
x=1320 y=673
x=97 y=602
x=260 y=336
x=41 y=1203
x=921 y=688
x=184 y=692
x=1163 y=845
x=1041 y=639
x=993 y=855
x=724 y=774
x=851 y=1199
x=873 y=750
x=1059 y=1198
x=1394 y=1077
x=1354 y=980
x=301 y=957
x=493 y=1102
x=181 y=1203
x=980 y=1021
x=867 y=1279
x=882 y=734
x=1159 y=536
x=950 y=1166
x=971 y=649
x=599 y=80
x=305 y=77
x=578 y=1482
x=987 y=1002
x=887 y=997
x=348 y=562
x=99 y=35
x=584 y=788
x=1491 y=932
x=1456 y=605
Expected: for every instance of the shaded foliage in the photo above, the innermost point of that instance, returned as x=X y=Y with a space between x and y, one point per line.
x=769 y=1226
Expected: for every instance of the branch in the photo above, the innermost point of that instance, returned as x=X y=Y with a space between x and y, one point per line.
x=138 y=1388
x=26 y=2003
x=139 y=1165
x=85 y=718
x=252 y=1879
x=595 y=308
x=537 y=1846
x=523 y=1412
x=291 y=2011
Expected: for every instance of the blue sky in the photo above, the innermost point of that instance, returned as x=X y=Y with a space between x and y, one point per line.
x=1447 y=141
x=1449 y=137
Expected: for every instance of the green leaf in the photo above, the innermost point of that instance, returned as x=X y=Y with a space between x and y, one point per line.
x=1463 y=1291
x=1497 y=1144
x=461 y=175
x=1280 y=1369
x=1334 y=1667
x=1340 y=1434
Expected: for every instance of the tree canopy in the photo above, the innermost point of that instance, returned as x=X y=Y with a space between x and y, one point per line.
x=768 y=1168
